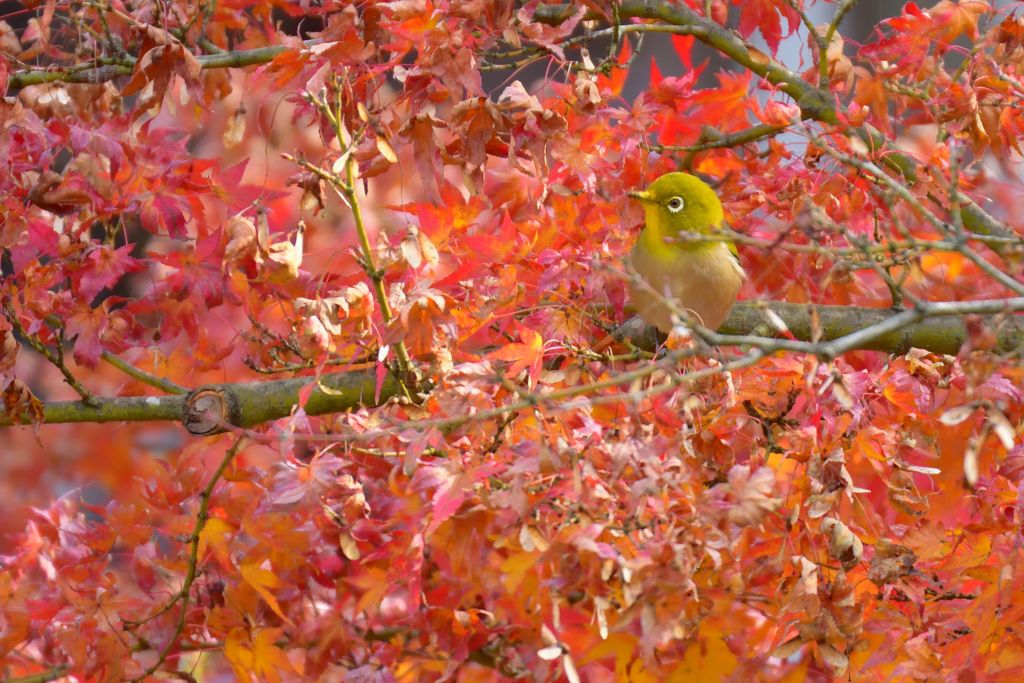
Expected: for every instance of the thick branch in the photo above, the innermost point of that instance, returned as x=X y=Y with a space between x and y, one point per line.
x=252 y=403
x=825 y=330
x=99 y=74
x=941 y=331
x=815 y=104
x=945 y=334
x=717 y=36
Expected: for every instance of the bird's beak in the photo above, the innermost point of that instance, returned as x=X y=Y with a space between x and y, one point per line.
x=643 y=196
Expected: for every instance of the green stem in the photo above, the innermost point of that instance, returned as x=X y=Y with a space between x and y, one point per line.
x=183 y=595
x=165 y=385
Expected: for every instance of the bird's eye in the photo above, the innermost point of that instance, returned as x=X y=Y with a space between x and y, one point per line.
x=675 y=205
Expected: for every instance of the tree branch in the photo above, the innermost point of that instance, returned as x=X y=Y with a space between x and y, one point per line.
x=939 y=327
x=108 y=72
x=185 y=592
x=252 y=402
x=826 y=331
x=815 y=104
x=41 y=677
x=688 y=22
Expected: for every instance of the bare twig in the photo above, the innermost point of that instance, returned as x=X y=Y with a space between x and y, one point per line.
x=55 y=357
x=714 y=140
x=184 y=594
x=161 y=383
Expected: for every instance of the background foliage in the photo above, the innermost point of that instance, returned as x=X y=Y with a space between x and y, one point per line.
x=419 y=207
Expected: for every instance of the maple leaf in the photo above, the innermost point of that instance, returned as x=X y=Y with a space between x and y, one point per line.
x=8 y=349
x=257 y=654
x=215 y=537
x=726 y=104
x=549 y=37
x=954 y=18
x=764 y=15
x=527 y=355
x=262 y=581
x=375 y=586
x=58 y=194
x=683 y=46
x=104 y=268
x=843 y=544
x=21 y=405
x=749 y=494
x=279 y=261
x=419 y=130
x=88 y=325
x=890 y=562
x=454 y=484
x=163 y=56
x=162 y=214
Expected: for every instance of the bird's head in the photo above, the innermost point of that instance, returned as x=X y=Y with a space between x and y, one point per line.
x=680 y=202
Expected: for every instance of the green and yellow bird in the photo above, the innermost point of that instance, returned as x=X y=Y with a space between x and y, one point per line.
x=700 y=276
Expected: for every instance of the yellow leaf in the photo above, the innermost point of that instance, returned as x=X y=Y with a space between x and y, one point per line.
x=946 y=266
x=215 y=537
x=707 y=660
x=239 y=654
x=386 y=150
x=262 y=580
x=516 y=567
x=374 y=582
x=257 y=655
x=622 y=646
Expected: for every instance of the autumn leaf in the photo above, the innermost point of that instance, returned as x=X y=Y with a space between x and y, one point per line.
x=764 y=15
x=749 y=494
x=954 y=18
x=262 y=581
x=257 y=654
x=843 y=544
x=891 y=561
x=20 y=405
x=807 y=494
x=162 y=56
x=104 y=268
x=215 y=537
x=526 y=355
x=87 y=326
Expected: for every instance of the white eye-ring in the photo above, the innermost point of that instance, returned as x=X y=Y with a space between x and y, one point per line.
x=675 y=205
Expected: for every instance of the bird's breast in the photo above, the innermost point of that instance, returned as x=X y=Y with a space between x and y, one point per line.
x=703 y=279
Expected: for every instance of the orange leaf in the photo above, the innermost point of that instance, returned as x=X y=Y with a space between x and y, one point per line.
x=257 y=655
x=262 y=580
x=216 y=537
x=374 y=581
x=954 y=18
x=528 y=355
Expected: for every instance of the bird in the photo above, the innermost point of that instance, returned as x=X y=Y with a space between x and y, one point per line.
x=700 y=276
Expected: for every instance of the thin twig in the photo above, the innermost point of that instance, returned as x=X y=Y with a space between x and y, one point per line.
x=906 y=195
x=127 y=368
x=184 y=594
x=716 y=141
x=56 y=358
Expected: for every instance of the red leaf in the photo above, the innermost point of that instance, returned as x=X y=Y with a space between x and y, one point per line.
x=105 y=268
x=656 y=76
x=764 y=15
x=88 y=326
x=684 y=46
x=162 y=214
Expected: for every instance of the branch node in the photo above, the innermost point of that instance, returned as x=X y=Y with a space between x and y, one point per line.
x=208 y=410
